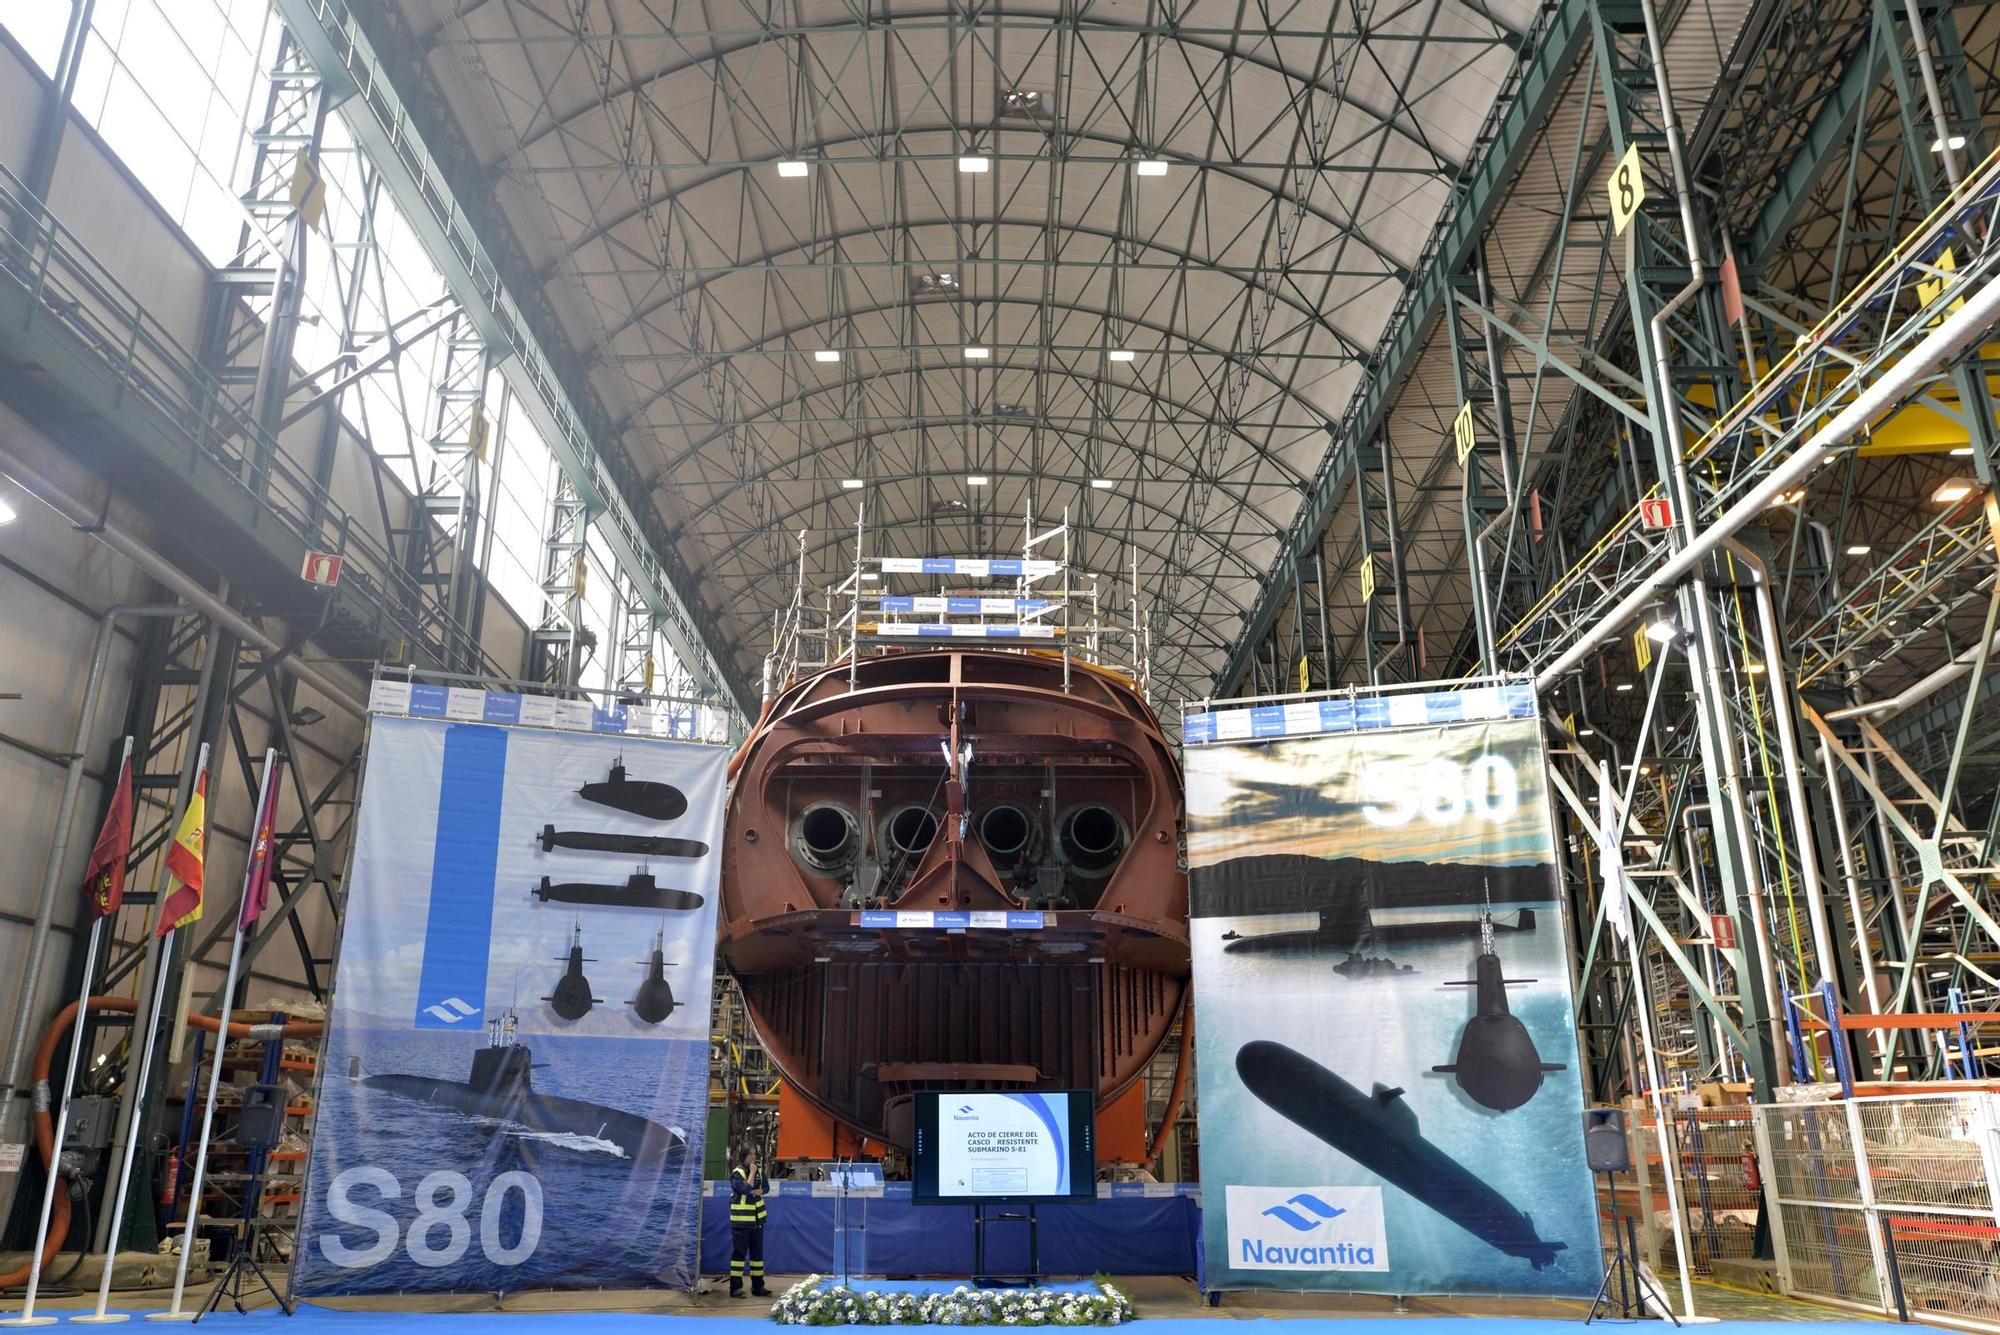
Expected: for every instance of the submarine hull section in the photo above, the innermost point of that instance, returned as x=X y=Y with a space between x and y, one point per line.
x=1379 y=1131
x=541 y=1114
x=1076 y=989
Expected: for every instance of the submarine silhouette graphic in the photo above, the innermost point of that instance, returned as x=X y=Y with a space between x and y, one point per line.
x=654 y=1001
x=639 y=797
x=1379 y=1132
x=572 y=1000
x=640 y=891
x=1347 y=930
x=1497 y=1065
x=637 y=845
x=502 y=1088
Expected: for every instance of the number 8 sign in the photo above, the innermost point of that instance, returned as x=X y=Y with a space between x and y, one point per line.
x=1627 y=188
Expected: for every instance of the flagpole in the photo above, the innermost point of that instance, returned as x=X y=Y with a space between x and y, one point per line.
x=27 y=1316
x=100 y=1316
x=174 y=1312
x=72 y=1072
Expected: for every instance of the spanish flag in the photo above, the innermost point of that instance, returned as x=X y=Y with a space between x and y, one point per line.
x=184 y=862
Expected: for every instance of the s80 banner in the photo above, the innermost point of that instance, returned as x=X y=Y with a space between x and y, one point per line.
x=1390 y=1095
x=514 y=1082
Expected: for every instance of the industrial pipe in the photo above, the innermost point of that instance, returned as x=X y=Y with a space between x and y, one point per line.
x=1790 y=757
x=1959 y=330
x=1917 y=690
x=95 y=520
x=38 y=941
x=45 y=1127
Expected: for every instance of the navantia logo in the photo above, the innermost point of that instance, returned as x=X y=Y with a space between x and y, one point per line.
x=1305 y=1229
x=1306 y=1204
x=965 y=1113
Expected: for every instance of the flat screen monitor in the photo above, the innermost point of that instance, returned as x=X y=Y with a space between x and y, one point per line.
x=1019 y=1147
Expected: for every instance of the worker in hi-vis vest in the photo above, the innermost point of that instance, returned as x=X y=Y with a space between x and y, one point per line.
x=747 y=1186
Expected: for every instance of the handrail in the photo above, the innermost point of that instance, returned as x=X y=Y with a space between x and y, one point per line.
x=1595 y=588
x=65 y=281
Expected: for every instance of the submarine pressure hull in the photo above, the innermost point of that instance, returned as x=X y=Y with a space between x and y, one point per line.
x=541 y=1114
x=1379 y=1131
x=848 y=802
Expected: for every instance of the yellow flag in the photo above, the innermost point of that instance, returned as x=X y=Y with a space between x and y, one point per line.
x=185 y=862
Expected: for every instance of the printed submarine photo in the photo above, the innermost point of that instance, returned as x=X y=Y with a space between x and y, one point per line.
x=1378 y=938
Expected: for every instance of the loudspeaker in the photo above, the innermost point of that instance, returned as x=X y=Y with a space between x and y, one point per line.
x=1604 y=1145
x=262 y=1120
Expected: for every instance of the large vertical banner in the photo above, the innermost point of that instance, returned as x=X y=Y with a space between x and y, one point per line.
x=514 y=1083
x=1390 y=1099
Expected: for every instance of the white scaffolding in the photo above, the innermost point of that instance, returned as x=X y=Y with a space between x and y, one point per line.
x=1036 y=602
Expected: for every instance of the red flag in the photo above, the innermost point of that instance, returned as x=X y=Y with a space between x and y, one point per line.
x=257 y=877
x=185 y=862
x=104 y=877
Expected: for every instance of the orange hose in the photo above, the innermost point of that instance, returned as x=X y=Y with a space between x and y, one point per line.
x=45 y=1129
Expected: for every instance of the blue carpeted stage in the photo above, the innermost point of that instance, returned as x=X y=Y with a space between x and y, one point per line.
x=1132 y=1229
x=320 y=1321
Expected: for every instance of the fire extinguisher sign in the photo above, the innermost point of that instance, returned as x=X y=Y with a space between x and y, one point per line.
x=321 y=568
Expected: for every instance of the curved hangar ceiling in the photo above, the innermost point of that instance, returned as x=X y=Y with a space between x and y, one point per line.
x=779 y=234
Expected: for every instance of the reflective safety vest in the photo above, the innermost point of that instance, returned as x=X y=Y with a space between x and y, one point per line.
x=745 y=1210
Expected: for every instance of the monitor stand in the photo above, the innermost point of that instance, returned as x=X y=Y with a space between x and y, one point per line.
x=983 y=1216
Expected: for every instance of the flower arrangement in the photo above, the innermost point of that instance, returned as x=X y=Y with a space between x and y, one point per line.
x=814 y=1302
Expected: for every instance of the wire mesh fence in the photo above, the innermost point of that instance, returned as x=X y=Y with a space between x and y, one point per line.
x=1888 y=1204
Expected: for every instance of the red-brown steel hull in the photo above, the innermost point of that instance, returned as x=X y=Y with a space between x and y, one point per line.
x=1066 y=802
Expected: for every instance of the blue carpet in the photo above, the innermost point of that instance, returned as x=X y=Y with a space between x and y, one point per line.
x=322 y=1321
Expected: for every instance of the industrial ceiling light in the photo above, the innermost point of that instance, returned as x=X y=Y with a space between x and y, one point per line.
x=1020 y=100
x=1150 y=167
x=975 y=353
x=976 y=479
x=1956 y=141
x=1754 y=668
x=1102 y=483
x=792 y=168
x=8 y=514
x=1122 y=354
x=1858 y=549
x=826 y=355
x=1962 y=452
x=1792 y=497
x=1623 y=686
x=1662 y=632
x=975 y=166
x=936 y=284
x=1586 y=732
x=1952 y=491
x=852 y=484
x=1001 y=408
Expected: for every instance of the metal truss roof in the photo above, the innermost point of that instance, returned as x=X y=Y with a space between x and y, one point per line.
x=633 y=149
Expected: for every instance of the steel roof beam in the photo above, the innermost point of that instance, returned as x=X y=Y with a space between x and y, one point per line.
x=1826 y=138
x=1509 y=137
x=384 y=126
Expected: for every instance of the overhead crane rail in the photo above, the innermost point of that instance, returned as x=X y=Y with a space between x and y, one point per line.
x=1952 y=253
x=51 y=286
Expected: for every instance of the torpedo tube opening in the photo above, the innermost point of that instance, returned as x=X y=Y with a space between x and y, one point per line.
x=908 y=830
x=1009 y=833
x=1091 y=839
x=828 y=839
